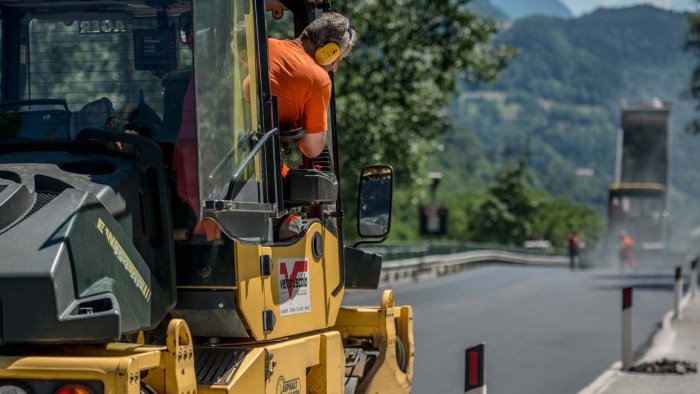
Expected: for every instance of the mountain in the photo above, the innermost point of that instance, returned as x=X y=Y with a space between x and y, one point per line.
x=486 y=9
x=517 y=9
x=557 y=103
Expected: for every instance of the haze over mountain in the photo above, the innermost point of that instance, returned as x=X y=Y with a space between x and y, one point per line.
x=486 y=9
x=557 y=104
x=580 y=7
x=516 y=9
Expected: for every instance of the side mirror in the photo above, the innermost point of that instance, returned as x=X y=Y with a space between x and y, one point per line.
x=374 y=201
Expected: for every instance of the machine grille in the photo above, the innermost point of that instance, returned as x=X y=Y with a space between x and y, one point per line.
x=216 y=365
x=2 y=187
x=42 y=198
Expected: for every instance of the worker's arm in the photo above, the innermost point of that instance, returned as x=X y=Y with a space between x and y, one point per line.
x=315 y=118
x=312 y=144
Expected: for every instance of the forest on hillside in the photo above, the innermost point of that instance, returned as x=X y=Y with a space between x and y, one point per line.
x=557 y=107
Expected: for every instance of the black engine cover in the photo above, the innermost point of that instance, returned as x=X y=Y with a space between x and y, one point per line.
x=85 y=249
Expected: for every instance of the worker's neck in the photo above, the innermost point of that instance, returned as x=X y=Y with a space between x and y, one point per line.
x=307 y=45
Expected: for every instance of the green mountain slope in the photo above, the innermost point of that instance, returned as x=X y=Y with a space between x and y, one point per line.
x=486 y=9
x=518 y=8
x=557 y=103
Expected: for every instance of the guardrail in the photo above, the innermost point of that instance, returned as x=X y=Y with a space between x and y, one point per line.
x=428 y=262
x=405 y=249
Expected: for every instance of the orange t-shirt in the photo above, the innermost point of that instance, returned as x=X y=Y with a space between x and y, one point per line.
x=302 y=87
x=627 y=242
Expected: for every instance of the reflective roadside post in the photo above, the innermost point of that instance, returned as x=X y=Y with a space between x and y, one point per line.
x=694 y=276
x=474 y=370
x=677 y=293
x=626 y=328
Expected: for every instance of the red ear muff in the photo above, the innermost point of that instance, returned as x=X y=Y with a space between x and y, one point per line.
x=327 y=53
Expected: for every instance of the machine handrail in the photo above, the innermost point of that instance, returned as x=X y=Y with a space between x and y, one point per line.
x=246 y=161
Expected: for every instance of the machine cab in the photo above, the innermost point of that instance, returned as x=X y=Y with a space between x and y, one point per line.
x=157 y=116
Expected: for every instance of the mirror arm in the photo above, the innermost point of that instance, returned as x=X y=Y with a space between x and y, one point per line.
x=370 y=241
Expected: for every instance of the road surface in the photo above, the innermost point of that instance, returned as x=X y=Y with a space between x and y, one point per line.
x=546 y=329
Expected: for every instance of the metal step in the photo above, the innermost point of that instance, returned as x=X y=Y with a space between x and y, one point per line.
x=217 y=365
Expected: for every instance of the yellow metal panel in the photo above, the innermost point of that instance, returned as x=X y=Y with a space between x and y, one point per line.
x=287 y=364
x=404 y=329
x=118 y=370
x=250 y=296
x=637 y=186
x=331 y=265
x=290 y=360
x=256 y=293
x=251 y=375
x=118 y=366
x=329 y=375
x=382 y=325
x=316 y=318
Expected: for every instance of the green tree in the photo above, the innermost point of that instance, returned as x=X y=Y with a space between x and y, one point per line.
x=514 y=210
x=394 y=87
x=508 y=212
x=558 y=216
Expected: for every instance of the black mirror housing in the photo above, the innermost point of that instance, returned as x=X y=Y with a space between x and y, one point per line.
x=374 y=200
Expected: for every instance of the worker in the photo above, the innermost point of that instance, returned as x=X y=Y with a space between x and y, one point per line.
x=299 y=79
x=299 y=76
x=573 y=244
x=626 y=254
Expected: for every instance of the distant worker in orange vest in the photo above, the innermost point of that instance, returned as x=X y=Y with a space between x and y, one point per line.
x=573 y=243
x=626 y=255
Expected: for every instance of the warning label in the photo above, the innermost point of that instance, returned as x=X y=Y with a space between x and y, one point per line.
x=295 y=290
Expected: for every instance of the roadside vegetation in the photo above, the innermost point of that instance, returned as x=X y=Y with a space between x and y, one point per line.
x=396 y=106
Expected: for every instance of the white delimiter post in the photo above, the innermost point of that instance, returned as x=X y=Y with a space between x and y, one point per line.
x=626 y=328
x=694 y=276
x=677 y=293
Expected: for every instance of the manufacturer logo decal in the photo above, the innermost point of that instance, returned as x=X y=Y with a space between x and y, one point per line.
x=294 y=286
x=105 y=26
x=288 y=386
x=124 y=259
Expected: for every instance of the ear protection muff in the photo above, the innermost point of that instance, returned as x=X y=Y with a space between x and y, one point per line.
x=330 y=52
x=327 y=53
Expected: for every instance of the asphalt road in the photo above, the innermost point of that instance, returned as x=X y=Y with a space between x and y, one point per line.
x=546 y=329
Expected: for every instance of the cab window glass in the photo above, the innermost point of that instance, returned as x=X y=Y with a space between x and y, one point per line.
x=226 y=98
x=280 y=24
x=92 y=68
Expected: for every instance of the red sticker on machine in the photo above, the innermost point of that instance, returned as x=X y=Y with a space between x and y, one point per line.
x=294 y=286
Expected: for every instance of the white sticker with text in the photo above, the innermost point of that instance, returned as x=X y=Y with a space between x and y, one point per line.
x=295 y=289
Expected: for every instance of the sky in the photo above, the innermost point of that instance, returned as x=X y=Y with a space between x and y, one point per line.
x=579 y=7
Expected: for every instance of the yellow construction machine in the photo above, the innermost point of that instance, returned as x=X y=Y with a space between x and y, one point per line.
x=145 y=237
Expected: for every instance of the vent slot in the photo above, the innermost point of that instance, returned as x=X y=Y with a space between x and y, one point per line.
x=42 y=198
x=93 y=306
x=10 y=176
x=47 y=184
